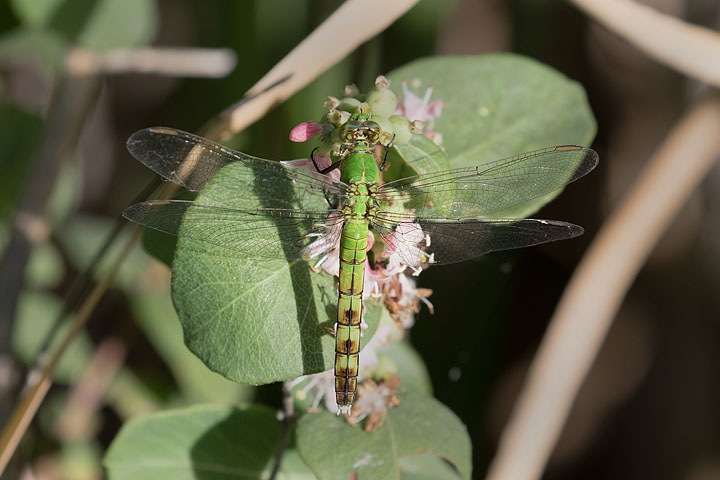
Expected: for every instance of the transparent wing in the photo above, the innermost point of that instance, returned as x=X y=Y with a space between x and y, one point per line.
x=489 y=190
x=270 y=233
x=427 y=240
x=191 y=161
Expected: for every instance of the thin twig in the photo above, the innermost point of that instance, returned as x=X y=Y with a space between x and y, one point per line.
x=81 y=284
x=287 y=422
x=353 y=23
x=167 y=61
x=332 y=41
x=76 y=89
x=72 y=99
x=33 y=397
x=687 y=48
x=597 y=289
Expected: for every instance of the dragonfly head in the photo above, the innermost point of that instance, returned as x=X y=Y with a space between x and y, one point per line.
x=359 y=129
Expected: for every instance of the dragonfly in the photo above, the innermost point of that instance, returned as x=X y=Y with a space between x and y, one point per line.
x=428 y=219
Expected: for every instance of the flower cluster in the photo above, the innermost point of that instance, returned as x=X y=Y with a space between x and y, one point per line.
x=399 y=251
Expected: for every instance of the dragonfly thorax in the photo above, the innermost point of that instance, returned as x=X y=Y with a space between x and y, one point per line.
x=361 y=200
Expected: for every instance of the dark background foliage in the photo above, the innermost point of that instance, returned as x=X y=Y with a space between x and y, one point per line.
x=648 y=409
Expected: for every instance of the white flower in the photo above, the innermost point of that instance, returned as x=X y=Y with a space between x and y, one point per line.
x=321 y=386
x=408 y=252
x=415 y=108
x=322 y=159
x=326 y=243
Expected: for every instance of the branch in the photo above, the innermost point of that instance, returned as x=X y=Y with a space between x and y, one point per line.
x=72 y=101
x=689 y=49
x=595 y=292
x=32 y=398
x=174 y=62
x=353 y=23
x=287 y=418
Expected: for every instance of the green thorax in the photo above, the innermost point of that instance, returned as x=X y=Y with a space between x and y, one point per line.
x=360 y=166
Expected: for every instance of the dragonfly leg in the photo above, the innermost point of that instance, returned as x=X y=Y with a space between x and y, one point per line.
x=387 y=149
x=312 y=158
x=330 y=168
x=323 y=171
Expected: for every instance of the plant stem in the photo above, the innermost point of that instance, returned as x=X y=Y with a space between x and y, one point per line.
x=72 y=100
x=34 y=395
x=288 y=421
x=596 y=290
x=687 y=48
x=351 y=25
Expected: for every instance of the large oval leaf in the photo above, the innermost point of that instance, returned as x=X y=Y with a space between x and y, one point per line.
x=255 y=320
x=420 y=424
x=420 y=155
x=206 y=441
x=500 y=105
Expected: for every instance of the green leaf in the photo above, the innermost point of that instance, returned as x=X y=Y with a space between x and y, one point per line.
x=120 y=24
x=35 y=13
x=420 y=155
x=293 y=468
x=498 y=106
x=426 y=467
x=255 y=320
x=35 y=319
x=81 y=459
x=420 y=424
x=46 y=269
x=205 y=441
x=66 y=192
x=409 y=366
x=156 y=316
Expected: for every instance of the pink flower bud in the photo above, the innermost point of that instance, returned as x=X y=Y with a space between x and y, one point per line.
x=305 y=131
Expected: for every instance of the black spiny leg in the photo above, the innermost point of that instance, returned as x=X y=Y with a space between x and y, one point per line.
x=387 y=149
x=312 y=158
x=323 y=172
x=326 y=170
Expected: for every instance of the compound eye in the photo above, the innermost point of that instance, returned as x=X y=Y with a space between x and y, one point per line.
x=370 y=125
x=353 y=125
x=348 y=135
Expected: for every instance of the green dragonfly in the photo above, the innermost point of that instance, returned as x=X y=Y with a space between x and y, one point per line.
x=432 y=219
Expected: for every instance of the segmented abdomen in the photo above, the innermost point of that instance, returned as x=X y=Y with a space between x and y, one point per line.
x=353 y=255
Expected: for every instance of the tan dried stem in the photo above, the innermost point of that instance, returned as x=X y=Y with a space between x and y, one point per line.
x=32 y=398
x=689 y=49
x=595 y=292
x=353 y=23
x=167 y=61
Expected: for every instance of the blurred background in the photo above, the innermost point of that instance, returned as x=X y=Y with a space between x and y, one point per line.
x=649 y=407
